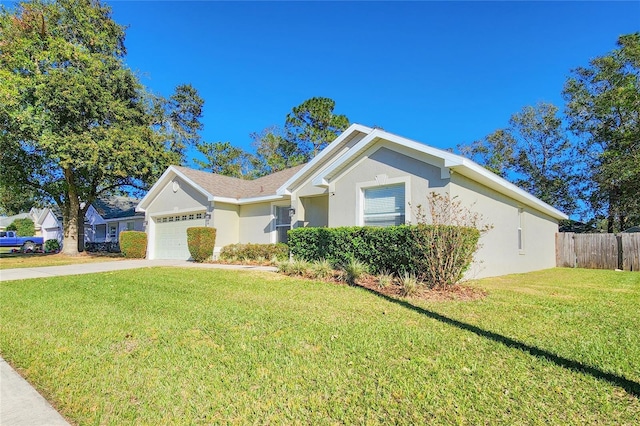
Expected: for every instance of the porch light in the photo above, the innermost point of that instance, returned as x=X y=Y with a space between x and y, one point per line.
x=292 y=212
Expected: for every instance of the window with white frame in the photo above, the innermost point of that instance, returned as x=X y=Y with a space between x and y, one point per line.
x=384 y=205
x=113 y=231
x=283 y=223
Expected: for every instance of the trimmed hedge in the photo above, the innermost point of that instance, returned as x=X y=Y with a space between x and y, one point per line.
x=201 y=241
x=437 y=254
x=254 y=252
x=133 y=244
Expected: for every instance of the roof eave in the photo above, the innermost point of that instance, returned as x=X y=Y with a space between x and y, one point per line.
x=481 y=175
x=249 y=200
x=285 y=187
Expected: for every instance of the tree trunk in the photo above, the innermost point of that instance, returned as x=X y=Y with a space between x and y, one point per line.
x=70 y=216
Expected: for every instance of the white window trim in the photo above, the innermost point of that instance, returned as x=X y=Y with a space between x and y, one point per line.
x=109 y=228
x=274 y=228
x=383 y=180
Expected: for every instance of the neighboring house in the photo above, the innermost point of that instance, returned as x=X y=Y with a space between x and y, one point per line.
x=107 y=217
x=45 y=221
x=365 y=177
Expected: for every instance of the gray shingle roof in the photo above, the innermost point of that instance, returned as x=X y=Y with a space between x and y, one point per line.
x=225 y=186
x=116 y=207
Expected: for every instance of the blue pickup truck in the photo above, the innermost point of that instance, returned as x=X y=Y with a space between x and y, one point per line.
x=9 y=239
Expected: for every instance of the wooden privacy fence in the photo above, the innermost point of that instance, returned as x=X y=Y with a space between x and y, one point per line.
x=598 y=251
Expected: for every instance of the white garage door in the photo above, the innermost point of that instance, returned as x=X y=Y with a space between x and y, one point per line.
x=171 y=235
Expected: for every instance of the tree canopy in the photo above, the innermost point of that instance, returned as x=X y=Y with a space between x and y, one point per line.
x=223 y=158
x=308 y=129
x=75 y=121
x=595 y=166
x=312 y=125
x=603 y=109
x=534 y=152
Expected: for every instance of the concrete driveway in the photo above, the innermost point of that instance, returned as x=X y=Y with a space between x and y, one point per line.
x=118 y=265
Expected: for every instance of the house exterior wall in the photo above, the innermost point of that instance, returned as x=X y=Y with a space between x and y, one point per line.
x=123 y=225
x=184 y=199
x=381 y=166
x=499 y=253
x=316 y=211
x=256 y=223
x=226 y=220
x=50 y=228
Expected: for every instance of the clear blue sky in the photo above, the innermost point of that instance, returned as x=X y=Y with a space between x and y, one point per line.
x=442 y=73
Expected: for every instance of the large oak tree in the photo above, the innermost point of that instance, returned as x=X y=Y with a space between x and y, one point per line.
x=75 y=122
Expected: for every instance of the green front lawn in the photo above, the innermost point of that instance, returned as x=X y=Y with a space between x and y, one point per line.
x=185 y=346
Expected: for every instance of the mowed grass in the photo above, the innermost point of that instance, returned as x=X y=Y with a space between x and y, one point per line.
x=36 y=260
x=187 y=346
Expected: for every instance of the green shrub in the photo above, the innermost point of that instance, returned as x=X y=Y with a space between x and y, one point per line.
x=254 y=252
x=133 y=244
x=436 y=254
x=23 y=227
x=201 y=241
x=51 y=246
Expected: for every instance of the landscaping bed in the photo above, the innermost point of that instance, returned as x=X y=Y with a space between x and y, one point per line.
x=458 y=292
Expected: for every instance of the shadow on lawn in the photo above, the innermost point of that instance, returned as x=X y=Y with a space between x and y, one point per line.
x=631 y=387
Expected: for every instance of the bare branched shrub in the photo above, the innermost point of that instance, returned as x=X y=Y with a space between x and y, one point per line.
x=447 y=234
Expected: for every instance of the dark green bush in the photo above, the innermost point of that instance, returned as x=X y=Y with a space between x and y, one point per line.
x=254 y=252
x=436 y=254
x=133 y=244
x=201 y=241
x=23 y=227
x=51 y=246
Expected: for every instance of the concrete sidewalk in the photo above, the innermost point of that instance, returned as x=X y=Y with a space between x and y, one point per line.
x=21 y=404
x=117 y=265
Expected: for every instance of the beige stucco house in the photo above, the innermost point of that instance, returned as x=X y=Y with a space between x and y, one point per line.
x=365 y=177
